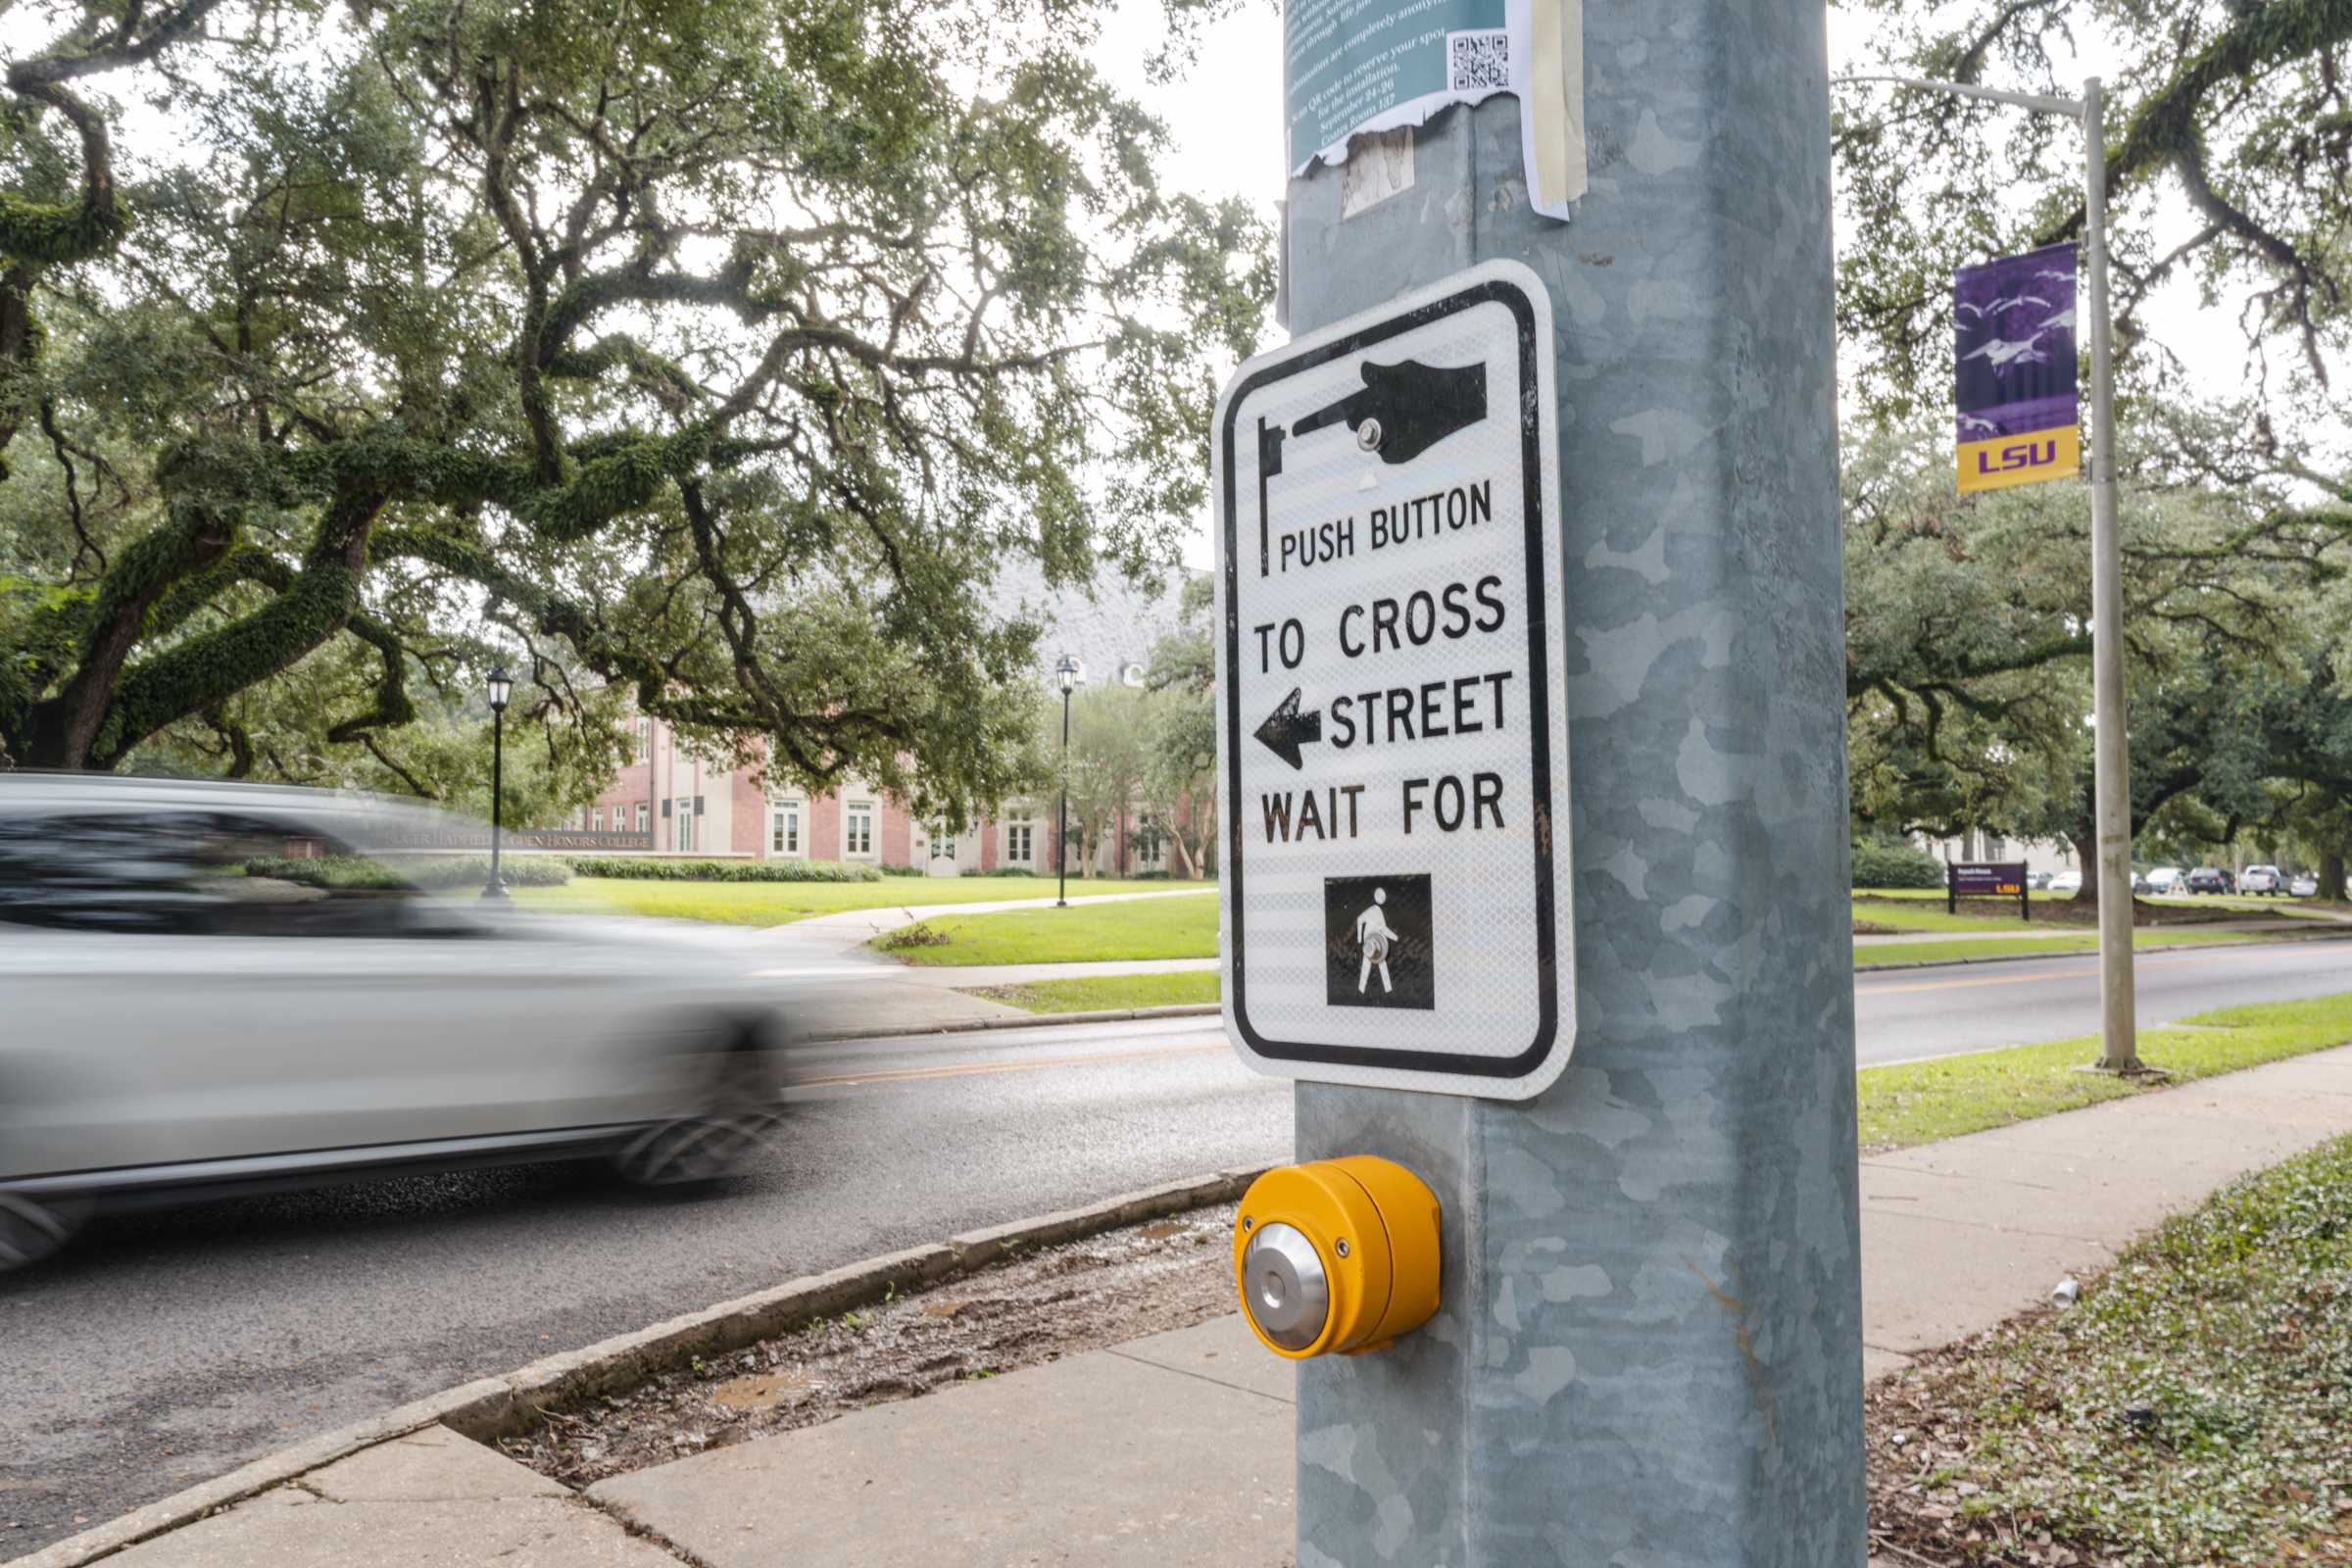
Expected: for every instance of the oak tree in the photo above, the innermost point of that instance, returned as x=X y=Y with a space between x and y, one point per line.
x=714 y=356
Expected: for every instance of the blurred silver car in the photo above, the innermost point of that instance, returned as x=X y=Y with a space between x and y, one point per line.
x=178 y=1028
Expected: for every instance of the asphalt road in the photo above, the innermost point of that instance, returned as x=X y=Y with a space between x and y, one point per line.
x=1905 y=1013
x=162 y=1350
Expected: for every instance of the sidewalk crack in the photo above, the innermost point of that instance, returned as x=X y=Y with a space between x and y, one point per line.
x=2000 y=1229
x=642 y=1532
x=1271 y=1398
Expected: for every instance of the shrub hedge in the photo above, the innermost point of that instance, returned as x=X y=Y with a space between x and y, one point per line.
x=1879 y=864
x=650 y=869
x=1002 y=870
x=440 y=872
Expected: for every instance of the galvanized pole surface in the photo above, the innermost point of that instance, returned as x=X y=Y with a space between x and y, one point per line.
x=2119 y=1030
x=1648 y=1348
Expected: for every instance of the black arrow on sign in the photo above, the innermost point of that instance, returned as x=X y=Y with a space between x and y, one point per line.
x=1286 y=729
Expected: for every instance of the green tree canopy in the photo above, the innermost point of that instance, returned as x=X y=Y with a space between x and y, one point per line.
x=2240 y=109
x=712 y=355
x=1967 y=643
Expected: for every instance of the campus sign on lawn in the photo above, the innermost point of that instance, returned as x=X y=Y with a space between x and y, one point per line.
x=1394 y=758
x=1986 y=879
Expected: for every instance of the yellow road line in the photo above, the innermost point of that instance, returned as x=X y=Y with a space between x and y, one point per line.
x=969 y=1069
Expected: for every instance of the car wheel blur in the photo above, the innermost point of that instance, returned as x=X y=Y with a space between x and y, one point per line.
x=30 y=1231
x=736 y=1111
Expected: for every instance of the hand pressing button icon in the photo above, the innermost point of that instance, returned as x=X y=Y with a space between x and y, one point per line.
x=1405 y=408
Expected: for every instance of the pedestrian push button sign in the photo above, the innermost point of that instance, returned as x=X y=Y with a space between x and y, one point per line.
x=1393 y=757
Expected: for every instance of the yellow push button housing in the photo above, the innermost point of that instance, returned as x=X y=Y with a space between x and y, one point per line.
x=1338 y=1256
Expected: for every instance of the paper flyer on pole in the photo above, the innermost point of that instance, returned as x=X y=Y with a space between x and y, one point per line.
x=2015 y=369
x=1352 y=67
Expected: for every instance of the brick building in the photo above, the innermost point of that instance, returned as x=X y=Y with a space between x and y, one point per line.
x=687 y=804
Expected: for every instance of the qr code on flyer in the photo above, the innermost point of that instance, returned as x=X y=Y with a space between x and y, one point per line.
x=1478 y=61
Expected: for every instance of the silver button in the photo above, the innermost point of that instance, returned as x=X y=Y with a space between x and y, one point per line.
x=1284 y=1287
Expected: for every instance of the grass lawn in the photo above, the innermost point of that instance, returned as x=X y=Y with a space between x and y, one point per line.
x=782 y=903
x=2161 y=936
x=2192 y=1408
x=1921 y=1101
x=2252 y=905
x=1149 y=928
x=1105 y=993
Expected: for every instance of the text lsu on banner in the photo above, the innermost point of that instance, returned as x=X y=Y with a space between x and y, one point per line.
x=2012 y=324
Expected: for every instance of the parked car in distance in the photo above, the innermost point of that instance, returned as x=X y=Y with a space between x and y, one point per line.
x=2262 y=879
x=2038 y=880
x=2066 y=882
x=2207 y=879
x=2304 y=887
x=2140 y=883
x=2165 y=879
x=185 y=1018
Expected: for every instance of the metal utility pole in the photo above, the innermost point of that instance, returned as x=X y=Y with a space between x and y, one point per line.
x=502 y=686
x=1647 y=1346
x=1066 y=674
x=2119 y=1026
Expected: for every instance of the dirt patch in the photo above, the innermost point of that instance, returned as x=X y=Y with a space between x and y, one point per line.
x=1872 y=928
x=918 y=935
x=1040 y=1306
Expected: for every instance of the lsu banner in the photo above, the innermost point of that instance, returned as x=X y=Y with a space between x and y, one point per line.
x=2014 y=329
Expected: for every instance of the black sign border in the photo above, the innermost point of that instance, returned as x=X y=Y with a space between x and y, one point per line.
x=1529 y=1062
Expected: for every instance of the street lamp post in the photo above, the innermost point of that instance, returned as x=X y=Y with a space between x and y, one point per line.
x=2119 y=1029
x=1066 y=671
x=502 y=686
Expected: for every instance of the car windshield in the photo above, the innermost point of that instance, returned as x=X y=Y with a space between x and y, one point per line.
x=212 y=873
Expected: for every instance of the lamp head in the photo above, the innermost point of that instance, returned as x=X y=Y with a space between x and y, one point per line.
x=501 y=686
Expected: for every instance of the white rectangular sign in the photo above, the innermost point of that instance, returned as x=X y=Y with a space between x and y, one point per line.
x=1394 y=749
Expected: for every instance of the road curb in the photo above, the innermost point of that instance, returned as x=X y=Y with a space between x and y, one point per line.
x=1862 y=969
x=1033 y=1020
x=498 y=1406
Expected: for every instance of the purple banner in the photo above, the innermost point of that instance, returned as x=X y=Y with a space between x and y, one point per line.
x=2015 y=368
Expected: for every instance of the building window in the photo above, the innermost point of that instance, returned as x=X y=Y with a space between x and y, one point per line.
x=645 y=739
x=1020 y=844
x=596 y=821
x=644 y=816
x=858 y=829
x=682 y=820
x=784 y=828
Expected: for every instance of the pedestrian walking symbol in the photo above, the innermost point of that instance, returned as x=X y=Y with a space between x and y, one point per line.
x=1378 y=943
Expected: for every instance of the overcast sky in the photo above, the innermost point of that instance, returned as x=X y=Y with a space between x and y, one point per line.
x=1227 y=121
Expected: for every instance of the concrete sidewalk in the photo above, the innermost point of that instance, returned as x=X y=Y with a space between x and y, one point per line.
x=839 y=984
x=1178 y=1450
x=852 y=928
x=1016 y=974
